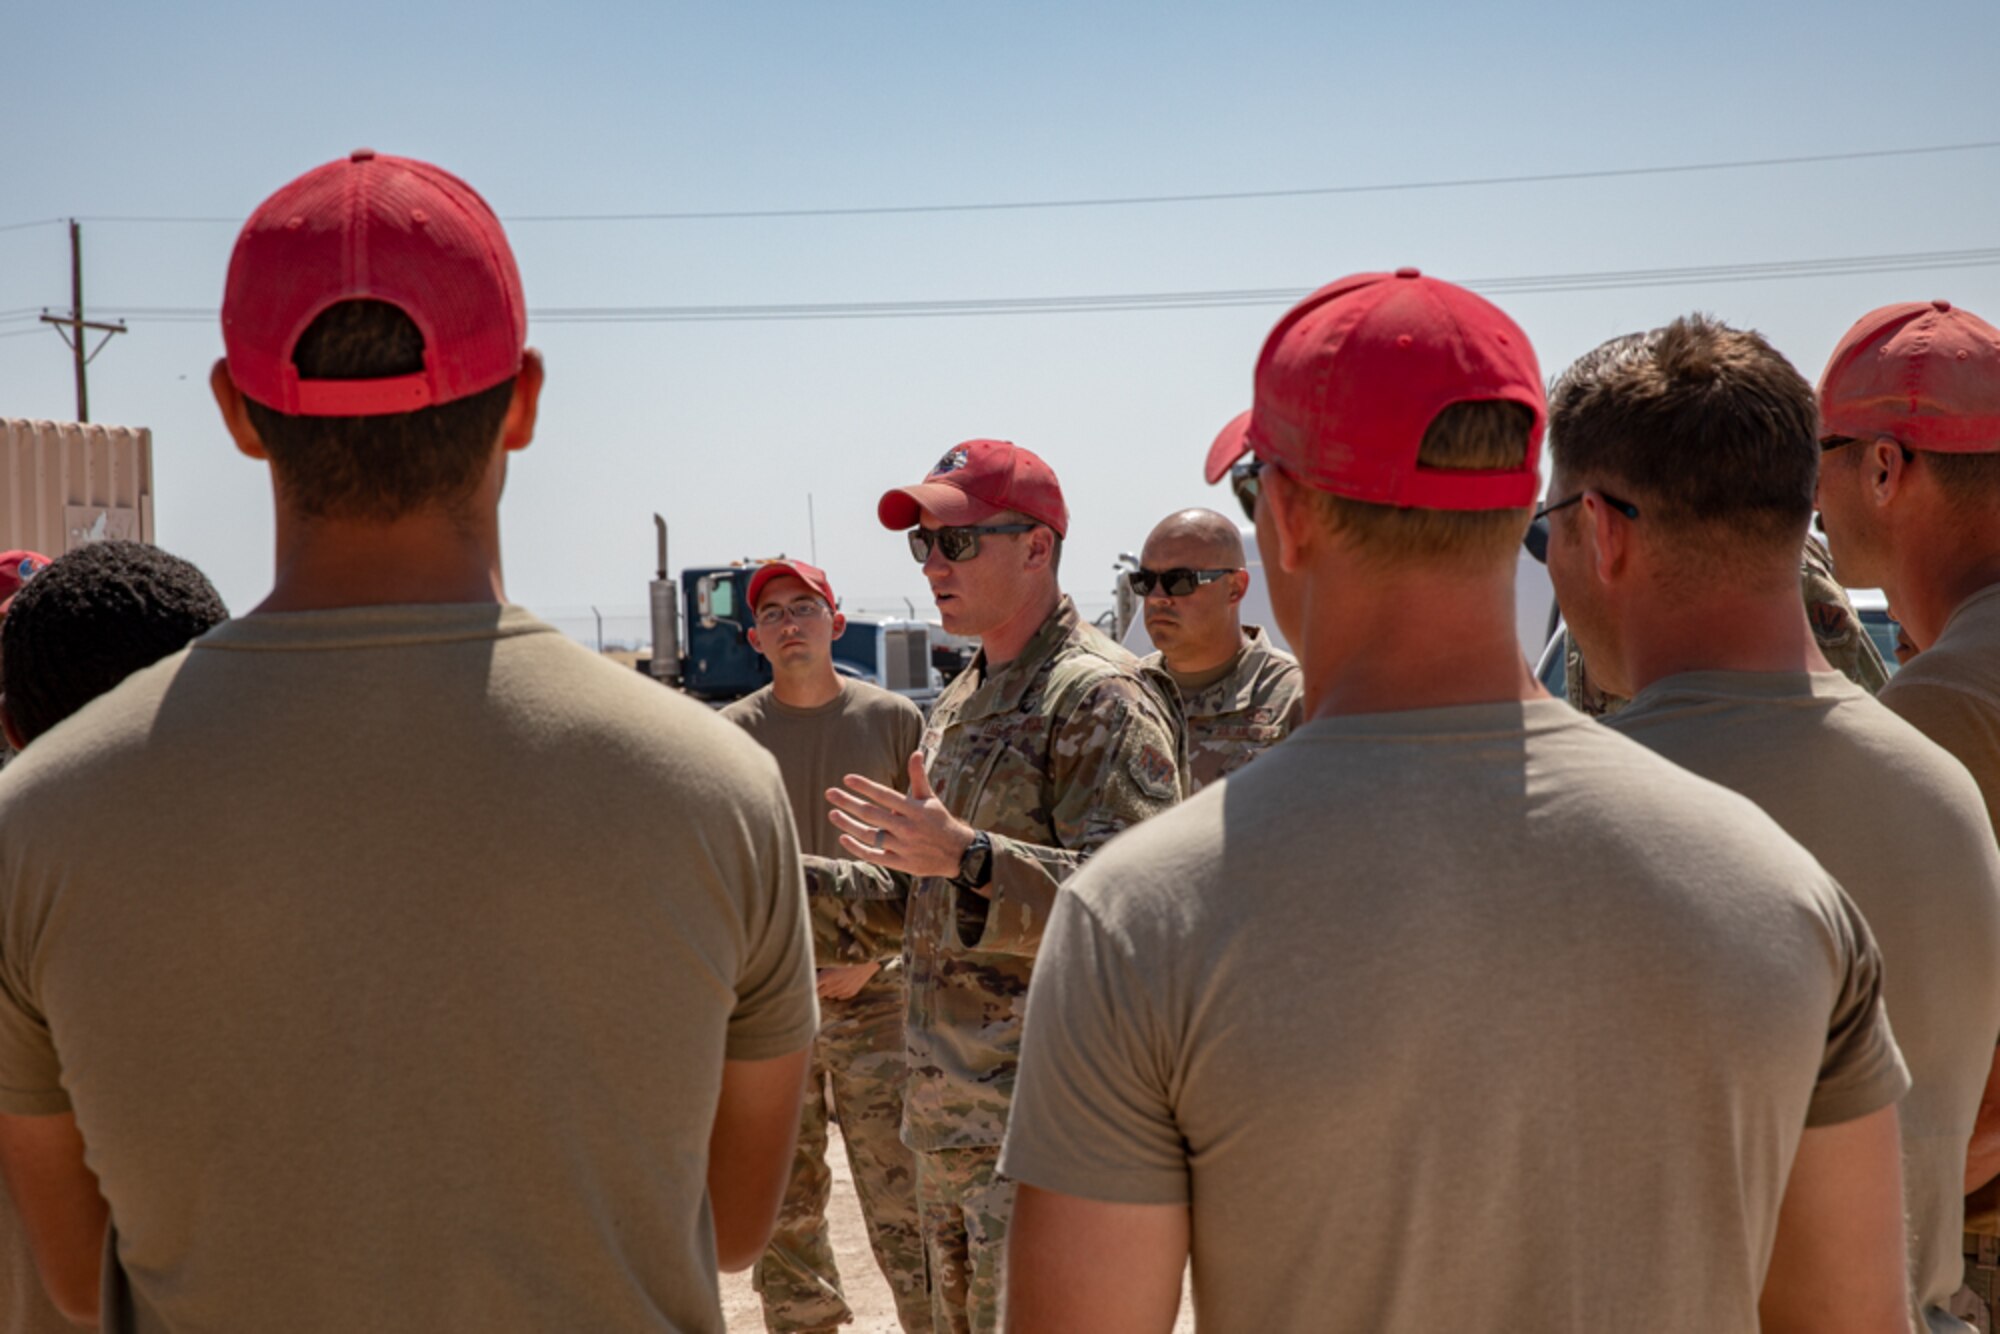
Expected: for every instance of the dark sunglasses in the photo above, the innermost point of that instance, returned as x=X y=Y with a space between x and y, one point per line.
x=958 y=544
x=1245 y=479
x=1624 y=507
x=1175 y=583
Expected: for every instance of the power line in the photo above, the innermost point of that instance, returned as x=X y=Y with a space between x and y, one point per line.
x=1125 y=201
x=1110 y=302
x=1218 y=196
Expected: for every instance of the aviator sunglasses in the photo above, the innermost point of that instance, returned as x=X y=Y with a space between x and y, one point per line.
x=1175 y=583
x=958 y=544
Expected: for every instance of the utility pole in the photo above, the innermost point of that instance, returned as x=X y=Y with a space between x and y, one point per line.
x=75 y=324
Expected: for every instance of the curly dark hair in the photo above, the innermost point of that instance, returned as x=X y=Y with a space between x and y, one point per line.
x=91 y=619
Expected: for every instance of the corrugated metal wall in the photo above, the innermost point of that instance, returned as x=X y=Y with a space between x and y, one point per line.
x=63 y=484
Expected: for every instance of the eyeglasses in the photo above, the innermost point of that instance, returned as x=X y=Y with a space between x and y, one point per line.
x=1175 y=583
x=1246 y=480
x=804 y=611
x=1624 y=507
x=959 y=543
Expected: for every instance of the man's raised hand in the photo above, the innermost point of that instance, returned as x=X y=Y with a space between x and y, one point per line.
x=914 y=834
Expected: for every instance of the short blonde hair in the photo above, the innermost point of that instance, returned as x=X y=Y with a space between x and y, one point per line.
x=1485 y=434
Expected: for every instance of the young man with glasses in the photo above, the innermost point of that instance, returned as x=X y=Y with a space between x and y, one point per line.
x=1052 y=741
x=1909 y=495
x=1684 y=597
x=821 y=726
x=1455 y=992
x=1240 y=693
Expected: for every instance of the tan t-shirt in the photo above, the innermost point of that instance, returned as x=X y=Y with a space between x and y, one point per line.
x=1902 y=828
x=1951 y=691
x=865 y=730
x=389 y=958
x=1532 y=1050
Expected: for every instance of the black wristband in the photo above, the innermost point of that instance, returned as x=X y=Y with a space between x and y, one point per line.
x=975 y=865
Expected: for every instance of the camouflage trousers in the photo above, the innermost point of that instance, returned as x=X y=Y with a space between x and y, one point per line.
x=858 y=1063
x=966 y=1206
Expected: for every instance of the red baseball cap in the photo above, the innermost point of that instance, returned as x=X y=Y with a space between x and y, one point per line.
x=1352 y=377
x=16 y=568
x=810 y=575
x=388 y=229
x=975 y=481
x=1923 y=372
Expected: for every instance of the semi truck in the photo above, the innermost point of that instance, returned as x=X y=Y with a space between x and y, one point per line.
x=701 y=637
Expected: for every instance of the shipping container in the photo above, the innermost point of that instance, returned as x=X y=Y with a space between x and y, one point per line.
x=63 y=484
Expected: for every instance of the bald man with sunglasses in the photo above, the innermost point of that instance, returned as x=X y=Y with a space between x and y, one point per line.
x=1242 y=694
x=1051 y=742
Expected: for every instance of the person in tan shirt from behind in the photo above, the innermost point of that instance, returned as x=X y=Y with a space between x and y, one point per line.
x=1558 y=1037
x=1239 y=691
x=822 y=726
x=1909 y=496
x=386 y=961
x=78 y=629
x=1685 y=461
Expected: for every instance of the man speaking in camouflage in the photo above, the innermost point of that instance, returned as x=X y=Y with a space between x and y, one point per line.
x=1052 y=741
x=820 y=726
x=1241 y=693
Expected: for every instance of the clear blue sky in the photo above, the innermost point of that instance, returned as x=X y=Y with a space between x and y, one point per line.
x=726 y=427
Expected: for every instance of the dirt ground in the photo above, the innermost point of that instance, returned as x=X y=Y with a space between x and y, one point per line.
x=867 y=1294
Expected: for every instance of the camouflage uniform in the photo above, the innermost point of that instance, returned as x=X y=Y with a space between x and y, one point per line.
x=858 y=1064
x=1238 y=718
x=1050 y=755
x=1842 y=638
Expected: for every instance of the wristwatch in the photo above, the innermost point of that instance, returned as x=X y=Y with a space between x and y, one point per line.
x=975 y=866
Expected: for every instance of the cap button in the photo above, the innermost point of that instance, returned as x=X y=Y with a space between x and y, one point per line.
x=362 y=155
x=1941 y=307
x=1408 y=273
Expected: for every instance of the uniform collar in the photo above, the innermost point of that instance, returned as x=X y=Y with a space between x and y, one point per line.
x=1236 y=690
x=1001 y=691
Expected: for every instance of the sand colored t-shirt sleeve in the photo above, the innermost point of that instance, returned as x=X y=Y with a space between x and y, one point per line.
x=776 y=1009
x=30 y=1075
x=1863 y=1070
x=1096 y=1074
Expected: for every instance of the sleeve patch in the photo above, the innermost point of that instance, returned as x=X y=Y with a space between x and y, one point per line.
x=1156 y=773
